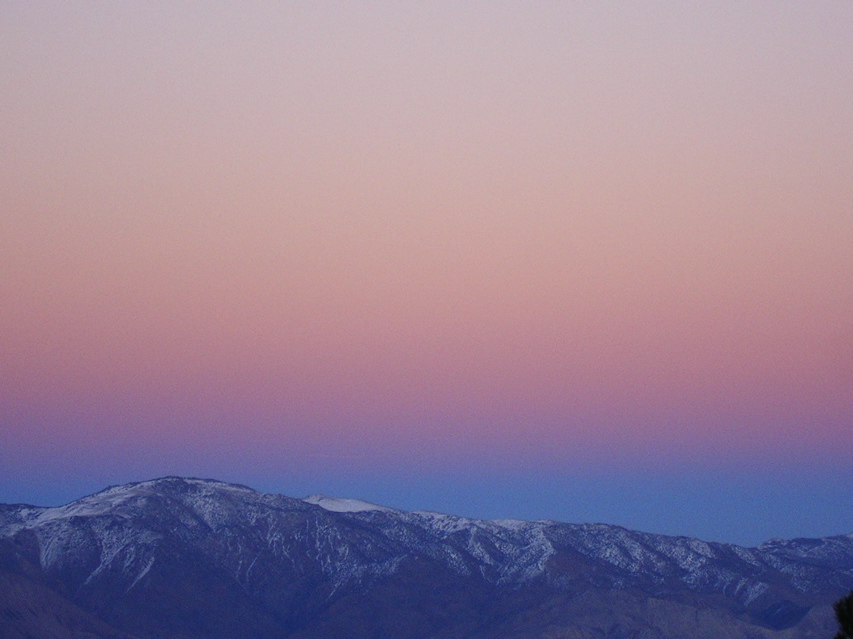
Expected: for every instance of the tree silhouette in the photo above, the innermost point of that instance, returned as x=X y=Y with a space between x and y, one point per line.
x=844 y=615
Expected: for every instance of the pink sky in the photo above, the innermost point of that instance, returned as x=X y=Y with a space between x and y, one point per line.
x=535 y=235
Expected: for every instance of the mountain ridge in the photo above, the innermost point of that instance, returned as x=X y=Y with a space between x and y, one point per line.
x=215 y=559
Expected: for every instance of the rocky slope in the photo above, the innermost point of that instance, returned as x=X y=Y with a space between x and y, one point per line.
x=197 y=558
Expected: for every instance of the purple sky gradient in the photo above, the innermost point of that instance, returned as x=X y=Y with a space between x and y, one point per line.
x=587 y=262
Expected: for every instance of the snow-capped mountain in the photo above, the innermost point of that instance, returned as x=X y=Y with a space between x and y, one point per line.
x=178 y=557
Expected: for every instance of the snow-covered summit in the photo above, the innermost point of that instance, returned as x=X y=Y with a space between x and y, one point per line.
x=239 y=547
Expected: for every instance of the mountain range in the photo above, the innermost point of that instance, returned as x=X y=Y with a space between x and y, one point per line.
x=185 y=558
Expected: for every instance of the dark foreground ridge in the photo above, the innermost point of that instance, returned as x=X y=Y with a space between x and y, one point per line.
x=201 y=559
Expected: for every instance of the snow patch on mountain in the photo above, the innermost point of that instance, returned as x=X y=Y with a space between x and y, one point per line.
x=336 y=505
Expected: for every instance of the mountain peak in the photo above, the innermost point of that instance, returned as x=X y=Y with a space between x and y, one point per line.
x=271 y=566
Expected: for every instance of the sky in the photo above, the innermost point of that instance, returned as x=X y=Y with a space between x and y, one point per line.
x=589 y=262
